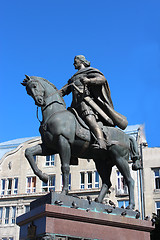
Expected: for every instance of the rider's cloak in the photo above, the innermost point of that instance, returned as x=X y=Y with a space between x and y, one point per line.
x=99 y=92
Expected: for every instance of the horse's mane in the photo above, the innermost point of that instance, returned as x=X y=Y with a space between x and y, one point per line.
x=52 y=85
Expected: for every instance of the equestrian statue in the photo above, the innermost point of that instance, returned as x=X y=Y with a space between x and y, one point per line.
x=86 y=130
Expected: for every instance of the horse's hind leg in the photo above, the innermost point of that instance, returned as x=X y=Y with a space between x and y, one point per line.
x=30 y=153
x=104 y=169
x=65 y=156
x=123 y=166
x=134 y=152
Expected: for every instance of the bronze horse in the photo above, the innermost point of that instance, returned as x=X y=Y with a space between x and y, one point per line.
x=58 y=133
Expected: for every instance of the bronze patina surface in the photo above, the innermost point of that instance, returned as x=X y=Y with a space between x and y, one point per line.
x=98 y=138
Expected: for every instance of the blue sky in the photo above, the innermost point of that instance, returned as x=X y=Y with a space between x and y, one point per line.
x=41 y=38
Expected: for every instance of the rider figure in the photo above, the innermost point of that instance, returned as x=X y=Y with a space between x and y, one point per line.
x=88 y=81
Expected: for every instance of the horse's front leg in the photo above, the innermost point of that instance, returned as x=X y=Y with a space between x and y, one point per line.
x=29 y=154
x=65 y=155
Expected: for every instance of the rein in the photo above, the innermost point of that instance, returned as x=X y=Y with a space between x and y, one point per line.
x=56 y=91
x=59 y=91
x=37 y=116
x=50 y=104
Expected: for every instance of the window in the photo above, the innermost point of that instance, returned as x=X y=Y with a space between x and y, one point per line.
x=157 y=178
x=13 y=215
x=31 y=184
x=9 y=186
x=69 y=186
x=82 y=174
x=10 y=238
x=96 y=180
x=121 y=184
x=27 y=208
x=6 y=215
x=15 y=190
x=124 y=203
x=89 y=184
x=50 y=160
x=1 y=214
x=90 y=176
x=46 y=187
x=158 y=208
x=3 y=183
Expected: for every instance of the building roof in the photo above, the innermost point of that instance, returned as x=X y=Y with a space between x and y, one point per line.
x=11 y=145
x=133 y=128
x=137 y=131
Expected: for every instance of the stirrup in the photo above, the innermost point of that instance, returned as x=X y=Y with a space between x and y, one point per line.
x=101 y=144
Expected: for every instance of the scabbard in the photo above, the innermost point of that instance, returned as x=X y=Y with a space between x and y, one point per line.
x=114 y=117
x=118 y=119
x=91 y=103
x=98 y=109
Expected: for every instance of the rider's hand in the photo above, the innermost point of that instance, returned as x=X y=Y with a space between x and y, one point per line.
x=85 y=80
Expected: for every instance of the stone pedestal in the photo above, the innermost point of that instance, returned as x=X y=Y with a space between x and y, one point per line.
x=47 y=221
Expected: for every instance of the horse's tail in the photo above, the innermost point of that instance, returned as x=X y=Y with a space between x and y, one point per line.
x=134 y=153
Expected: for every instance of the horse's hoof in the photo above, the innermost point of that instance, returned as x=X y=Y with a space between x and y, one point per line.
x=136 y=166
x=44 y=178
x=96 y=200
x=131 y=206
x=64 y=192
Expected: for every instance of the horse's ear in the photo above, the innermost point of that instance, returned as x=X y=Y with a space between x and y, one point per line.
x=27 y=77
x=25 y=81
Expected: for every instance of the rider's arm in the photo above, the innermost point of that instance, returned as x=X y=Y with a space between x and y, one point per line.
x=65 y=90
x=95 y=79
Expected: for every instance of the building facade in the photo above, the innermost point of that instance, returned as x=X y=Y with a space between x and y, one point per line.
x=19 y=185
x=151 y=176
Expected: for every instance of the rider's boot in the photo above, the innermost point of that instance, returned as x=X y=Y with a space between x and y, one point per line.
x=97 y=131
x=101 y=142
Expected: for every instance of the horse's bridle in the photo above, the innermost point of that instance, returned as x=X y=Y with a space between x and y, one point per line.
x=44 y=99
x=27 y=85
x=41 y=95
x=32 y=81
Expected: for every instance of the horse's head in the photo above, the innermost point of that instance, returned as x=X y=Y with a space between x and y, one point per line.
x=35 y=89
x=42 y=91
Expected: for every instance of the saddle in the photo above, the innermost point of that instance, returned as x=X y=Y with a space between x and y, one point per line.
x=82 y=130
